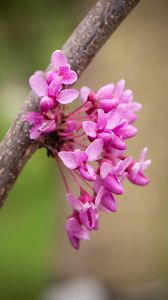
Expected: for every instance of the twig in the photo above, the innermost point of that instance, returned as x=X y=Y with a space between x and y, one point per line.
x=16 y=148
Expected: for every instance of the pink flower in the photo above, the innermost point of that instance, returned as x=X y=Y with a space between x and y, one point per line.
x=52 y=90
x=61 y=68
x=109 y=96
x=89 y=140
x=112 y=176
x=106 y=200
x=40 y=124
x=86 y=208
x=78 y=159
x=111 y=127
x=75 y=231
x=136 y=169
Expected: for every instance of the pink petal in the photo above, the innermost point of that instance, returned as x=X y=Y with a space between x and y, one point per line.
x=70 y=77
x=75 y=242
x=84 y=93
x=105 y=169
x=69 y=159
x=80 y=156
x=67 y=96
x=139 y=179
x=89 y=128
x=34 y=133
x=34 y=118
x=88 y=218
x=94 y=150
x=105 y=92
x=75 y=232
x=108 y=202
x=119 y=143
x=107 y=137
x=64 y=69
x=75 y=203
x=122 y=165
x=46 y=103
x=101 y=120
x=135 y=106
x=143 y=154
x=47 y=126
x=55 y=86
x=39 y=85
x=127 y=96
x=87 y=172
x=100 y=192
x=108 y=104
x=119 y=88
x=112 y=184
x=97 y=184
x=51 y=75
x=127 y=131
x=58 y=59
x=113 y=119
x=76 y=229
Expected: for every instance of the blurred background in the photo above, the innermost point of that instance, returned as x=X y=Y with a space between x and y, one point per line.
x=129 y=254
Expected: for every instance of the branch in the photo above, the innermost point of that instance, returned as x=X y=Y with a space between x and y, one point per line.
x=16 y=148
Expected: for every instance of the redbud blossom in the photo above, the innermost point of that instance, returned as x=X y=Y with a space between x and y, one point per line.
x=90 y=141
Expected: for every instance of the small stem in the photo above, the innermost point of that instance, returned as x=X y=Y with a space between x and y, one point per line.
x=77 y=109
x=81 y=178
x=63 y=176
x=74 y=178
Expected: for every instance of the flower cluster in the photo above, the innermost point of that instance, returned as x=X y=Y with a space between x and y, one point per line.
x=89 y=140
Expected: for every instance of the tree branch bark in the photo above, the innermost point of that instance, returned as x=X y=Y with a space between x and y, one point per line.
x=16 y=148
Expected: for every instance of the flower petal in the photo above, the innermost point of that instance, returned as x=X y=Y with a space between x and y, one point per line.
x=100 y=192
x=127 y=131
x=105 y=200
x=75 y=203
x=122 y=165
x=47 y=126
x=75 y=232
x=108 y=202
x=119 y=143
x=126 y=97
x=101 y=120
x=39 y=85
x=35 y=133
x=113 y=119
x=105 y=92
x=87 y=172
x=139 y=179
x=33 y=118
x=119 y=88
x=70 y=77
x=105 y=169
x=84 y=93
x=89 y=218
x=58 y=59
x=108 y=104
x=94 y=149
x=143 y=154
x=112 y=184
x=81 y=156
x=89 y=128
x=55 y=86
x=69 y=159
x=67 y=96
x=46 y=103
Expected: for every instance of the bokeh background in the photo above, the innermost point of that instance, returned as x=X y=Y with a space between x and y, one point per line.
x=131 y=246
